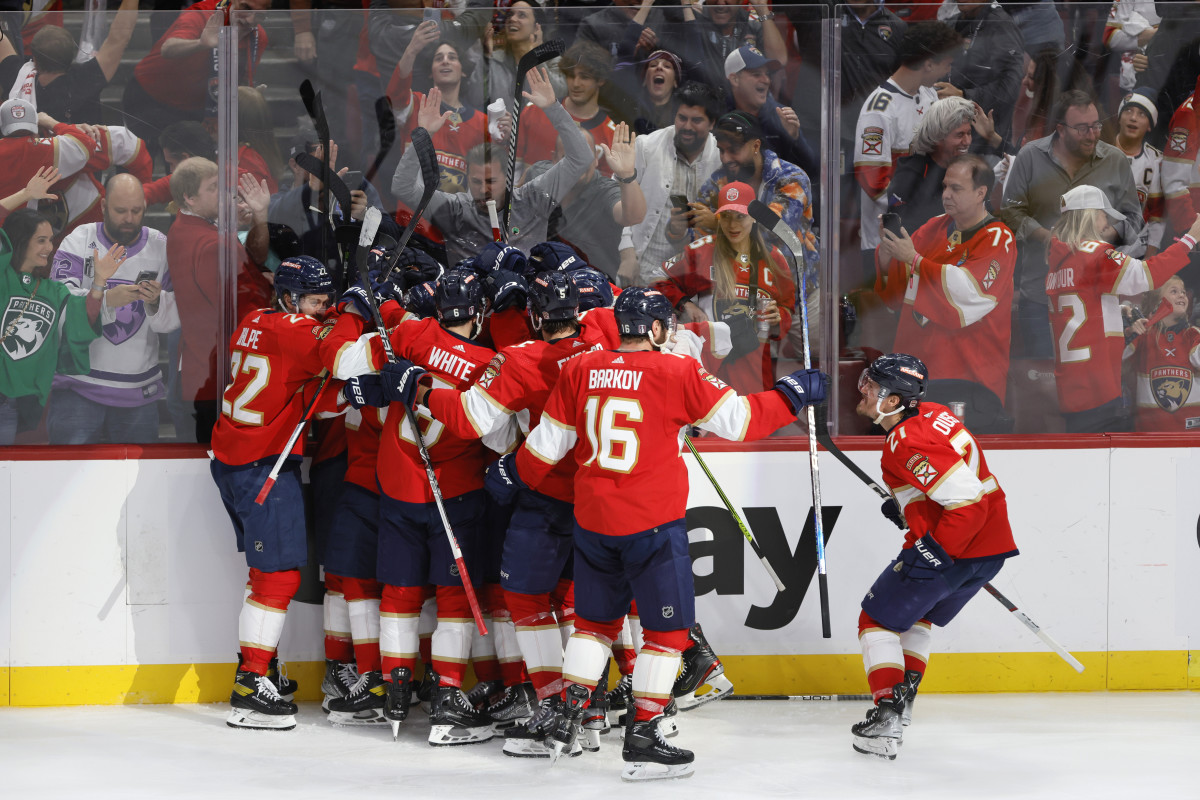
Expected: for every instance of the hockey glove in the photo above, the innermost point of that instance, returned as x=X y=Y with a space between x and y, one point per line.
x=498 y=257
x=365 y=390
x=386 y=290
x=743 y=335
x=416 y=267
x=506 y=290
x=355 y=297
x=421 y=301
x=891 y=510
x=554 y=256
x=502 y=481
x=924 y=559
x=804 y=387
x=400 y=381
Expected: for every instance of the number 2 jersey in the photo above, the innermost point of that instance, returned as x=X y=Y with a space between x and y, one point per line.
x=627 y=411
x=274 y=358
x=1083 y=285
x=941 y=481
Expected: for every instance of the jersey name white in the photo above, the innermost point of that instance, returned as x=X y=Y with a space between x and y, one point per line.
x=449 y=363
x=624 y=379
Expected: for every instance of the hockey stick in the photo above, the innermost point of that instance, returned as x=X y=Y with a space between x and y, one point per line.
x=827 y=442
x=329 y=179
x=535 y=57
x=387 y=134
x=763 y=214
x=431 y=177
x=291 y=442
x=316 y=112
x=1033 y=626
x=370 y=226
x=736 y=516
x=495 y=220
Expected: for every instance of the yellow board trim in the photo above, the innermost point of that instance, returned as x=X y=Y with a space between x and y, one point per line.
x=751 y=675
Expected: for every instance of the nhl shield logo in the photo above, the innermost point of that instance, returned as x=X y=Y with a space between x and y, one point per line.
x=26 y=325
x=1170 y=386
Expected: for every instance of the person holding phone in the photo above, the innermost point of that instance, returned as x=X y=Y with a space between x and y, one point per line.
x=117 y=400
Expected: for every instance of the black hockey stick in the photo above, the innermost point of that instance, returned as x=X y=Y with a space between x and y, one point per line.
x=431 y=177
x=737 y=518
x=534 y=58
x=827 y=442
x=329 y=179
x=763 y=214
x=316 y=112
x=387 y=134
x=365 y=239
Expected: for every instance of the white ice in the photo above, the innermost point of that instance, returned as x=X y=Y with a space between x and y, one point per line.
x=1127 y=745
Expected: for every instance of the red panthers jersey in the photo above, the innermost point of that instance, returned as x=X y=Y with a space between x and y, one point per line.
x=1083 y=285
x=1167 y=363
x=955 y=308
x=273 y=360
x=1181 y=165
x=458 y=462
x=518 y=381
x=942 y=483
x=364 y=427
x=628 y=411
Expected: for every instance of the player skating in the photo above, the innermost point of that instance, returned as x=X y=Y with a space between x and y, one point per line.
x=628 y=408
x=957 y=540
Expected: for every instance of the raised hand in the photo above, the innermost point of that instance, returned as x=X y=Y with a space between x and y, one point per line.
x=620 y=157
x=42 y=180
x=429 y=112
x=108 y=264
x=541 y=92
x=255 y=194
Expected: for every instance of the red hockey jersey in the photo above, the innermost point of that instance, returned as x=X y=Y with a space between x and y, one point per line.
x=628 y=410
x=1167 y=363
x=273 y=360
x=1083 y=286
x=1181 y=165
x=941 y=481
x=955 y=309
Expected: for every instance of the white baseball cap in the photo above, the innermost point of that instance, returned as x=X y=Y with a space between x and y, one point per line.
x=18 y=116
x=1084 y=197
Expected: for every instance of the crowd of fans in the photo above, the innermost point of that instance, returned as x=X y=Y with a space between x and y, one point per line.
x=1016 y=187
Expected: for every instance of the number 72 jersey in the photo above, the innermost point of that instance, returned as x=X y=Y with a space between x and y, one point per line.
x=941 y=480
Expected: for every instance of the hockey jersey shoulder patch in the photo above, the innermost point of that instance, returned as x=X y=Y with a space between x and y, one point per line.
x=921 y=469
x=491 y=371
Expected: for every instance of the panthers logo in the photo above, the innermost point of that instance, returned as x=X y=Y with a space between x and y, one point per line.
x=1171 y=387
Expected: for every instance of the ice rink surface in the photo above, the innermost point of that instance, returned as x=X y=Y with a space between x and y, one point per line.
x=1128 y=745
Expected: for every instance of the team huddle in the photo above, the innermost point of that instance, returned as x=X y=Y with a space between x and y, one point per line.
x=514 y=498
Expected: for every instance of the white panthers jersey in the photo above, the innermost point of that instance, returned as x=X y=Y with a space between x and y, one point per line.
x=1147 y=179
x=883 y=134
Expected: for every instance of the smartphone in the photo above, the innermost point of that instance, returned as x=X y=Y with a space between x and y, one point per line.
x=891 y=222
x=146 y=275
x=679 y=201
x=434 y=14
x=353 y=179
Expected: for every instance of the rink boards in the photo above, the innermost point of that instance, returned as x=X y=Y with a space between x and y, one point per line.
x=124 y=585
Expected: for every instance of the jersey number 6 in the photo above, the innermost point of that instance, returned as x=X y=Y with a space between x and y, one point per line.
x=607 y=438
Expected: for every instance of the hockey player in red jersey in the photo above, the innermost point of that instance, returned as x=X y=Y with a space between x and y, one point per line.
x=413 y=550
x=627 y=408
x=957 y=540
x=1085 y=278
x=274 y=357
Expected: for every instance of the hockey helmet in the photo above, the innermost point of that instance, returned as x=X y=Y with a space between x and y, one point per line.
x=301 y=275
x=594 y=289
x=552 y=296
x=898 y=374
x=638 y=307
x=459 y=296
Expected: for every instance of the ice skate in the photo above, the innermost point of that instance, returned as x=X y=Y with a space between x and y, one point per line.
x=912 y=679
x=666 y=721
x=531 y=739
x=618 y=698
x=700 y=667
x=256 y=704
x=426 y=690
x=595 y=717
x=880 y=733
x=340 y=677
x=399 y=699
x=277 y=672
x=648 y=756
x=482 y=692
x=364 y=705
x=513 y=706
x=455 y=721
x=565 y=732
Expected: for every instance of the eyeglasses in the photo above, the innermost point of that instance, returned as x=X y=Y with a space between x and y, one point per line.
x=1083 y=129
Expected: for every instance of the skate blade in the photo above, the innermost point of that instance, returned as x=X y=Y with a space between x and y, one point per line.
x=719 y=686
x=395 y=730
x=256 y=720
x=373 y=716
x=882 y=746
x=590 y=740
x=326 y=700
x=531 y=748
x=451 y=735
x=651 y=771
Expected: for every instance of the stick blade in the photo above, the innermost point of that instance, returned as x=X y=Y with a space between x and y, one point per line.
x=763 y=214
x=337 y=187
x=540 y=55
x=426 y=157
x=308 y=96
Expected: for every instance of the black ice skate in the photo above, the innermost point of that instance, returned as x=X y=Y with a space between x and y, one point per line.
x=912 y=679
x=700 y=667
x=426 y=690
x=455 y=721
x=514 y=706
x=531 y=739
x=482 y=692
x=364 y=705
x=595 y=717
x=399 y=699
x=566 y=725
x=618 y=699
x=340 y=677
x=277 y=674
x=666 y=721
x=256 y=704
x=881 y=732
x=648 y=756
